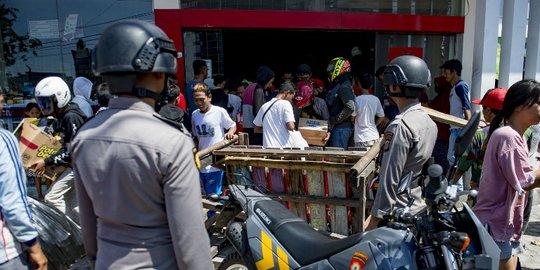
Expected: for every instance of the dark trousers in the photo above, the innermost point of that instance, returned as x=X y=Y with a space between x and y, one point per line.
x=254 y=138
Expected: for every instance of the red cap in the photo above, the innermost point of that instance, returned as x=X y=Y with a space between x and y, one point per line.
x=494 y=98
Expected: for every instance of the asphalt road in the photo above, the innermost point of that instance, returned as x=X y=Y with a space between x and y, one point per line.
x=530 y=259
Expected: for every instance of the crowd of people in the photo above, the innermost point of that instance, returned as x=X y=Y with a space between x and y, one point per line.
x=146 y=131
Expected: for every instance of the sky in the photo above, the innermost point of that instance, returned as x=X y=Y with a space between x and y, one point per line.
x=93 y=17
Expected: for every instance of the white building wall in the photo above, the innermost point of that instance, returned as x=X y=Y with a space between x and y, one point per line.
x=485 y=44
x=532 y=62
x=514 y=23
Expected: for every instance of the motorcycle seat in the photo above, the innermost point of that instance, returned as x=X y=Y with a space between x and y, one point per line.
x=305 y=244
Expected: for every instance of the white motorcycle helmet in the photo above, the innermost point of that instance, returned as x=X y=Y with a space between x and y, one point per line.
x=52 y=91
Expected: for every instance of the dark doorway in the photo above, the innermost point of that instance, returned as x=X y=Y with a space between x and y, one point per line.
x=283 y=50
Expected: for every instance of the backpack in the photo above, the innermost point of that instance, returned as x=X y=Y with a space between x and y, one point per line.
x=332 y=100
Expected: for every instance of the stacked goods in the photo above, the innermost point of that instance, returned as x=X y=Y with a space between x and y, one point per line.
x=313 y=130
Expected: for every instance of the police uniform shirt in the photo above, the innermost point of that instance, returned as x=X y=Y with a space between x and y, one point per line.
x=138 y=191
x=408 y=143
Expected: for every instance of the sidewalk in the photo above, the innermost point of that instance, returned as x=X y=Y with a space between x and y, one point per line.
x=531 y=258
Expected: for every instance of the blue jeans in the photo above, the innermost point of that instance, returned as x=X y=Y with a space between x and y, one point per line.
x=339 y=137
x=212 y=182
x=454 y=133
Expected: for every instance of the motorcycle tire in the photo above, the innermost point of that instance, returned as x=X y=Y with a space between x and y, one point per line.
x=233 y=262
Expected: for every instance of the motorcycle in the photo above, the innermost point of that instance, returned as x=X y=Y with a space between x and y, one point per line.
x=442 y=237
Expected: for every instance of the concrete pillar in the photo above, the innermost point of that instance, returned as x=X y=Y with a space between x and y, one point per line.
x=485 y=46
x=532 y=62
x=513 y=41
x=461 y=47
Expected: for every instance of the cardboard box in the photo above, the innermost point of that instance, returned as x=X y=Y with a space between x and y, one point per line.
x=313 y=130
x=35 y=144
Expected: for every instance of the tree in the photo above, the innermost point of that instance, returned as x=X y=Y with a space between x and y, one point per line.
x=14 y=45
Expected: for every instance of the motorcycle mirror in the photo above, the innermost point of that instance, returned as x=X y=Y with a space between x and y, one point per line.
x=467 y=133
x=404 y=184
x=436 y=185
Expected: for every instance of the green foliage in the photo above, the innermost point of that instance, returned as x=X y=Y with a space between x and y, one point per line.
x=15 y=45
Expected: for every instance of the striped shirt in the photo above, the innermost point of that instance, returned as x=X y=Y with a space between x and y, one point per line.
x=16 y=227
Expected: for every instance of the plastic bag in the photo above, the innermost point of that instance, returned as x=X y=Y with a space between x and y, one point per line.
x=296 y=140
x=59 y=236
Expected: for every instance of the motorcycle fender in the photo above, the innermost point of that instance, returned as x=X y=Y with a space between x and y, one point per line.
x=489 y=259
x=382 y=248
x=266 y=251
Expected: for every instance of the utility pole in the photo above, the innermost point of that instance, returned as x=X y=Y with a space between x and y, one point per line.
x=3 y=83
x=60 y=36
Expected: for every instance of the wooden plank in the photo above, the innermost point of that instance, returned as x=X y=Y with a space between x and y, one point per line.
x=362 y=181
x=365 y=160
x=287 y=153
x=258 y=171
x=243 y=138
x=315 y=188
x=315 y=199
x=447 y=118
x=368 y=169
x=337 y=189
x=219 y=145
x=288 y=164
x=295 y=186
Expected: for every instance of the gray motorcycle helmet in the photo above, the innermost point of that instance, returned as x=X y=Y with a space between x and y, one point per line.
x=410 y=73
x=130 y=47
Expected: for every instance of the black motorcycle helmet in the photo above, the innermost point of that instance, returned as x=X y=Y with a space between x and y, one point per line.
x=410 y=73
x=128 y=48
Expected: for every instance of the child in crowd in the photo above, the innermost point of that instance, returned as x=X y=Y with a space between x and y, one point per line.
x=507 y=175
x=32 y=110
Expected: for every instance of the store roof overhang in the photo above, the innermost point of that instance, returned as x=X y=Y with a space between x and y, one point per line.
x=309 y=20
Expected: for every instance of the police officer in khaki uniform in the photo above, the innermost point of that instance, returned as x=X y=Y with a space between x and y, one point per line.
x=136 y=179
x=409 y=138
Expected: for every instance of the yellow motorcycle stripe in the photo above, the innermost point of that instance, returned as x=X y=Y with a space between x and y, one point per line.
x=283 y=259
x=267 y=261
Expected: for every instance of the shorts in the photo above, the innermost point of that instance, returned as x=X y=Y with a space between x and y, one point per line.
x=212 y=182
x=509 y=248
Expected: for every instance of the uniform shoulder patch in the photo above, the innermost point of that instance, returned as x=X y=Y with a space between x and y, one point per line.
x=388 y=135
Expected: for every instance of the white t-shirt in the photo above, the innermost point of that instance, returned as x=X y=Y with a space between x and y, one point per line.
x=210 y=128
x=275 y=131
x=366 y=108
x=235 y=102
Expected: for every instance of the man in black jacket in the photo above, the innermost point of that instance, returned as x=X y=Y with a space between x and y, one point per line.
x=54 y=98
x=340 y=102
x=170 y=110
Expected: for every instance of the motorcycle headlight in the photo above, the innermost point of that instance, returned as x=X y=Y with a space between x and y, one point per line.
x=459 y=241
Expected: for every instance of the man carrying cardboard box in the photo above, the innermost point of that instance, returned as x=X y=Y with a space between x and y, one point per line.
x=54 y=98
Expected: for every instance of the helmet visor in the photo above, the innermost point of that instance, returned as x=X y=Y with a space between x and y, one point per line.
x=393 y=75
x=46 y=104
